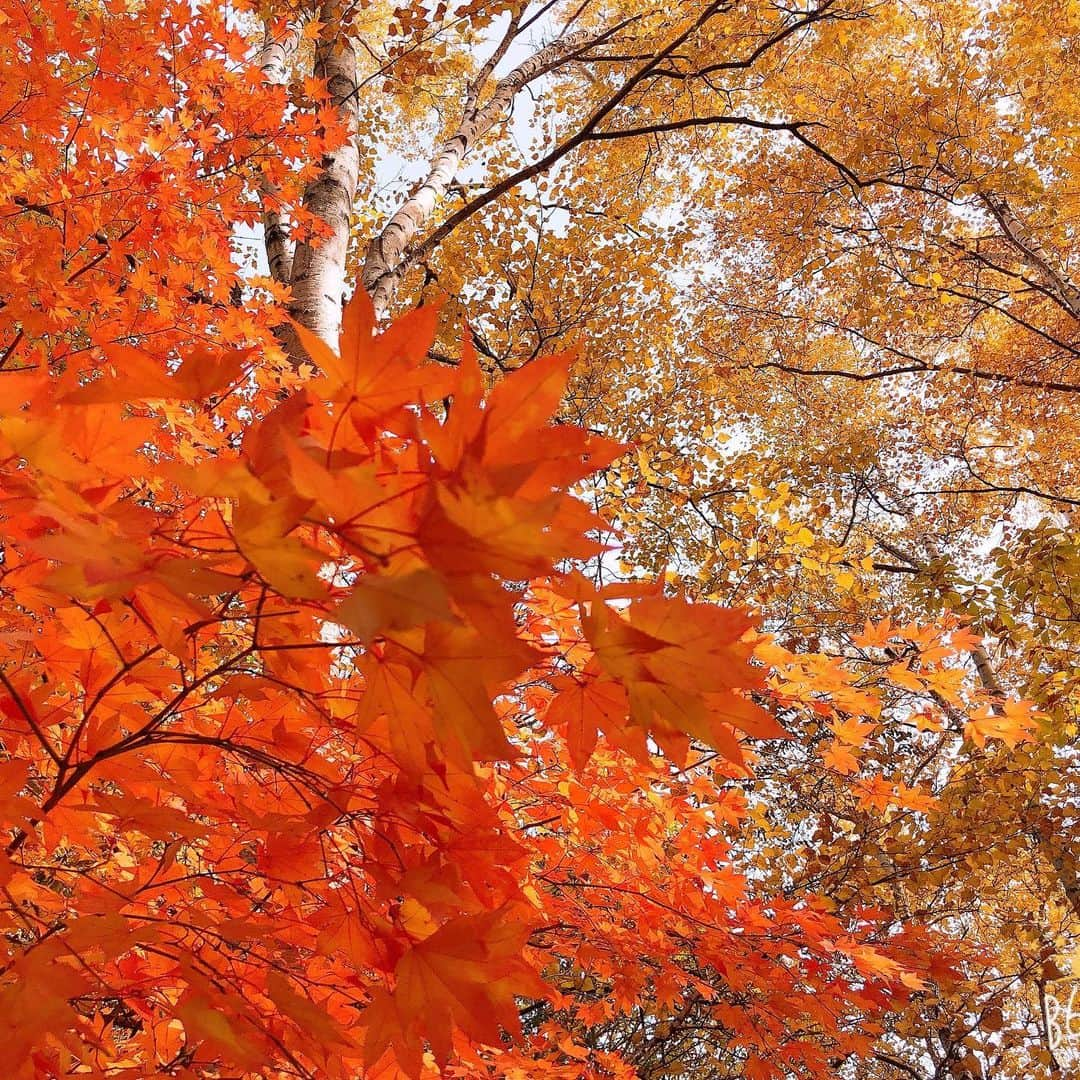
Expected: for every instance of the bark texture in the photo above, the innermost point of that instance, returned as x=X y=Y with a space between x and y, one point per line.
x=318 y=267
x=1050 y=273
x=273 y=61
x=387 y=257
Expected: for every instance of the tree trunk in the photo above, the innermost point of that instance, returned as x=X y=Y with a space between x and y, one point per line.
x=318 y=268
x=1051 y=274
x=387 y=258
x=273 y=61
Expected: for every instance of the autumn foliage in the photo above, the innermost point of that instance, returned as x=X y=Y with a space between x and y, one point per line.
x=446 y=698
x=286 y=739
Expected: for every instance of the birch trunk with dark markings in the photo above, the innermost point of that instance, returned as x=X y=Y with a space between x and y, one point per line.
x=387 y=257
x=1046 y=267
x=318 y=266
x=273 y=61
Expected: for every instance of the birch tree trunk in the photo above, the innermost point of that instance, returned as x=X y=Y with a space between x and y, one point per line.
x=387 y=256
x=273 y=60
x=318 y=266
x=1047 y=268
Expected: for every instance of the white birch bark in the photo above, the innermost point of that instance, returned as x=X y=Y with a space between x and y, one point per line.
x=386 y=258
x=1049 y=271
x=318 y=267
x=273 y=60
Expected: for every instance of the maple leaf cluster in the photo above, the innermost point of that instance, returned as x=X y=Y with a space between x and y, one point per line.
x=132 y=161
x=277 y=792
